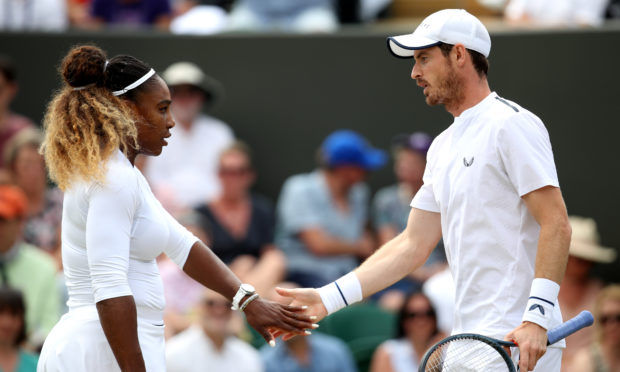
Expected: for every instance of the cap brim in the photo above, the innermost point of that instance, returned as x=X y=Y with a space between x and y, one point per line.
x=591 y=252
x=374 y=159
x=402 y=46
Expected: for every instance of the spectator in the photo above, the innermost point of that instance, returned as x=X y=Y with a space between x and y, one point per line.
x=27 y=169
x=201 y=18
x=208 y=346
x=578 y=291
x=13 y=326
x=186 y=174
x=242 y=224
x=556 y=12
x=10 y=123
x=417 y=331
x=33 y=15
x=132 y=13
x=312 y=353
x=603 y=355
x=322 y=215
x=26 y=268
x=181 y=292
x=290 y=15
x=441 y=291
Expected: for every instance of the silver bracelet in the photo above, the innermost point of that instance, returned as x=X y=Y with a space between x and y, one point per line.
x=247 y=302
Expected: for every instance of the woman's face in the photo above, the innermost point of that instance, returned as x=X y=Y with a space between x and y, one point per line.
x=610 y=321
x=235 y=173
x=10 y=325
x=419 y=318
x=154 y=118
x=29 y=169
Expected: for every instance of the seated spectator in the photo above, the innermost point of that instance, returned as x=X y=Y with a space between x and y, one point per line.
x=186 y=174
x=181 y=292
x=132 y=13
x=201 y=18
x=27 y=170
x=603 y=355
x=290 y=15
x=322 y=215
x=208 y=345
x=13 y=325
x=313 y=353
x=26 y=267
x=417 y=331
x=391 y=208
x=579 y=289
x=242 y=224
x=556 y=12
x=33 y=15
x=10 y=123
x=440 y=290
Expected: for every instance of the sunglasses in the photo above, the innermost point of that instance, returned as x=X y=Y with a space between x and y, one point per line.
x=234 y=171
x=215 y=303
x=419 y=314
x=609 y=318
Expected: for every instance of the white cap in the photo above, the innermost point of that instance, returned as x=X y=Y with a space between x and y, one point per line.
x=449 y=26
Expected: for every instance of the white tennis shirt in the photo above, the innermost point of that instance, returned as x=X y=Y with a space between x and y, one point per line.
x=111 y=235
x=477 y=171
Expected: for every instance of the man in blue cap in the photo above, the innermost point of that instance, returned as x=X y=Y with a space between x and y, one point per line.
x=322 y=215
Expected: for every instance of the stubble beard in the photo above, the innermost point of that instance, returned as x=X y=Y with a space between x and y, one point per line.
x=449 y=91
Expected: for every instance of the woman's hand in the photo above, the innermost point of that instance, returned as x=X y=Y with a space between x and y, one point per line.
x=271 y=319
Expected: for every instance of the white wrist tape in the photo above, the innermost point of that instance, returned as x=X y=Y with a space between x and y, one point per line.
x=343 y=292
x=543 y=296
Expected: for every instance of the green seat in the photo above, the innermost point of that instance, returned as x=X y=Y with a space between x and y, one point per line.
x=362 y=327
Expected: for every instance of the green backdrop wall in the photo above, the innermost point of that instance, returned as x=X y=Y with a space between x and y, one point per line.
x=285 y=93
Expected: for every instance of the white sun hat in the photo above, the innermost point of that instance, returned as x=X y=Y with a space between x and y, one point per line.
x=585 y=241
x=448 y=26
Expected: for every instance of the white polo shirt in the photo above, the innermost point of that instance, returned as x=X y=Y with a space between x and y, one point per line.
x=477 y=171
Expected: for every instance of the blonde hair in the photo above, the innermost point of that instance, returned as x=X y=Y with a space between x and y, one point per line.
x=609 y=293
x=85 y=126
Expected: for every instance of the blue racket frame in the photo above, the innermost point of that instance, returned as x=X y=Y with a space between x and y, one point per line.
x=584 y=319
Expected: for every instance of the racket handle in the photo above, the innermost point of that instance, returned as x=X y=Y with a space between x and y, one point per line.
x=584 y=319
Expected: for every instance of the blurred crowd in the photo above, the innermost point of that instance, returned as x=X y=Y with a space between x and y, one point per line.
x=213 y=16
x=322 y=225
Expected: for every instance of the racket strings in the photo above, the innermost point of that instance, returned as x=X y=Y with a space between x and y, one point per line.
x=466 y=355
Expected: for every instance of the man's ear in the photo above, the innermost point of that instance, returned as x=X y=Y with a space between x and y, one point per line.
x=460 y=54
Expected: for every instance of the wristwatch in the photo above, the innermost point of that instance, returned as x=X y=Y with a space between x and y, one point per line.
x=244 y=290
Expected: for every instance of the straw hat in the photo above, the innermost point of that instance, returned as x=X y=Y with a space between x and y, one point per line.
x=585 y=241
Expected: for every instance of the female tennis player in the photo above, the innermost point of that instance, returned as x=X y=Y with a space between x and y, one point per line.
x=113 y=228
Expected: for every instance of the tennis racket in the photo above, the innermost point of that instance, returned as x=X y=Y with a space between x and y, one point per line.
x=476 y=353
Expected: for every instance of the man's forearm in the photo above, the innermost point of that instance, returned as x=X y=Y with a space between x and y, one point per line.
x=552 y=255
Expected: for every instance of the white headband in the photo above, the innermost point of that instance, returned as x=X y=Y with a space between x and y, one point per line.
x=135 y=84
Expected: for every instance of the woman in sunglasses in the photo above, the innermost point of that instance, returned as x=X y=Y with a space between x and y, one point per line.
x=417 y=331
x=604 y=354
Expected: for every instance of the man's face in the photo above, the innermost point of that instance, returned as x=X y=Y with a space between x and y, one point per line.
x=409 y=166
x=436 y=74
x=187 y=101
x=216 y=313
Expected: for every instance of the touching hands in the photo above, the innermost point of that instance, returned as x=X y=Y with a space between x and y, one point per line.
x=271 y=319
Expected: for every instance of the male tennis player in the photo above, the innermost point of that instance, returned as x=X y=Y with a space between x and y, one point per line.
x=490 y=187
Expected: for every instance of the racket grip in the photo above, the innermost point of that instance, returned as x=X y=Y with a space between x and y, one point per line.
x=584 y=319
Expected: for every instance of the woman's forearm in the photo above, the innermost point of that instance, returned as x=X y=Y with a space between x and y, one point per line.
x=119 y=322
x=207 y=269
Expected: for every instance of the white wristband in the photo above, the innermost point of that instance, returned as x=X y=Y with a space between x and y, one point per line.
x=543 y=296
x=343 y=292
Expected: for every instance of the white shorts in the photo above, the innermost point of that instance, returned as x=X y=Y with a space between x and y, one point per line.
x=77 y=343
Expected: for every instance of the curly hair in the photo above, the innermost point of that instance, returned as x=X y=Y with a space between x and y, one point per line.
x=84 y=122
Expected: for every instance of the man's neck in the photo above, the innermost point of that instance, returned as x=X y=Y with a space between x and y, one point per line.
x=475 y=90
x=217 y=339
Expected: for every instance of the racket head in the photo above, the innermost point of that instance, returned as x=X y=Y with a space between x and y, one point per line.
x=468 y=352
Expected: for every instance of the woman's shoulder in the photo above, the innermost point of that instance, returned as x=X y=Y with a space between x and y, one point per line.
x=261 y=203
x=27 y=361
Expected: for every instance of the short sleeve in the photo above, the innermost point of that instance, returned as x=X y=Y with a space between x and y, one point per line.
x=425 y=197
x=180 y=241
x=110 y=215
x=525 y=151
x=297 y=210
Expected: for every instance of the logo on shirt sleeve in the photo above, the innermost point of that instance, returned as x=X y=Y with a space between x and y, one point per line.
x=468 y=163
